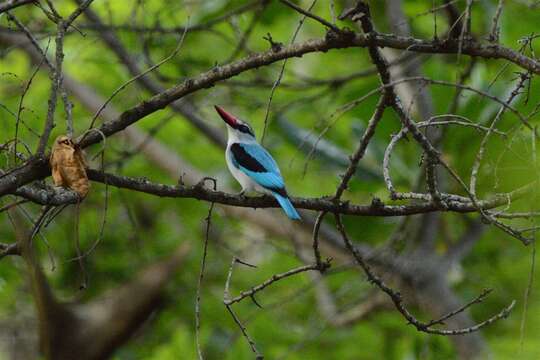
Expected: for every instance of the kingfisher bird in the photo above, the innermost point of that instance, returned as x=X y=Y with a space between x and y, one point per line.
x=251 y=165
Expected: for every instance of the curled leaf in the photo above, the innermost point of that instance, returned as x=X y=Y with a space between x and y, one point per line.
x=68 y=166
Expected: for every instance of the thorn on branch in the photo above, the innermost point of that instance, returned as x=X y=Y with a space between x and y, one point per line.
x=181 y=182
x=245 y=263
x=324 y=265
x=377 y=203
x=275 y=46
x=252 y=296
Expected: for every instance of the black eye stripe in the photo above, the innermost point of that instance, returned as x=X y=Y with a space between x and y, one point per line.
x=245 y=129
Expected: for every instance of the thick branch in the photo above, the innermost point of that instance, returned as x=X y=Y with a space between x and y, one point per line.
x=199 y=192
x=31 y=171
x=182 y=107
x=332 y=41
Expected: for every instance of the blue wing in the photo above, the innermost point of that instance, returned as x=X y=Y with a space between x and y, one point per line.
x=258 y=164
x=254 y=161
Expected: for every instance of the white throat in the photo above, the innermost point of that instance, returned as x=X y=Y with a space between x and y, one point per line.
x=236 y=136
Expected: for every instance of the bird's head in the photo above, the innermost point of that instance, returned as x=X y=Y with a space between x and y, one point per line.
x=238 y=130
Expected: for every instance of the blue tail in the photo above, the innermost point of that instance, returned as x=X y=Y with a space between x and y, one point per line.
x=289 y=209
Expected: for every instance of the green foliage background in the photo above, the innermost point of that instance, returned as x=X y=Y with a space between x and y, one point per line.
x=141 y=229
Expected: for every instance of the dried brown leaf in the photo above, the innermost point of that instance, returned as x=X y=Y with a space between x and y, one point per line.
x=68 y=166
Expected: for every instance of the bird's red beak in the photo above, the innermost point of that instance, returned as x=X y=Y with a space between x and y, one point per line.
x=228 y=118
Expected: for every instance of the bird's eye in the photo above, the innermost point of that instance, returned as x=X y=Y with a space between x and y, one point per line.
x=246 y=129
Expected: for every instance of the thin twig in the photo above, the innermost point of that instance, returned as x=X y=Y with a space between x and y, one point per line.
x=258 y=355
x=495 y=30
x=479 y=155
x=84 y=283
x=55 y=85
x=57 y=76
x=282 y=70
x=316 y=229
x=257 y=16
x=21 y=101
x=104 y=217
x=532 y=270
x=226 y=297
x=127 y=83
x=398 y=300
x=276 y=277
x=308 y=14
x=199 y=283
x=362 y=146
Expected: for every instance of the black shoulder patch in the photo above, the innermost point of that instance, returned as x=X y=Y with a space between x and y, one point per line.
x=242 y=158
